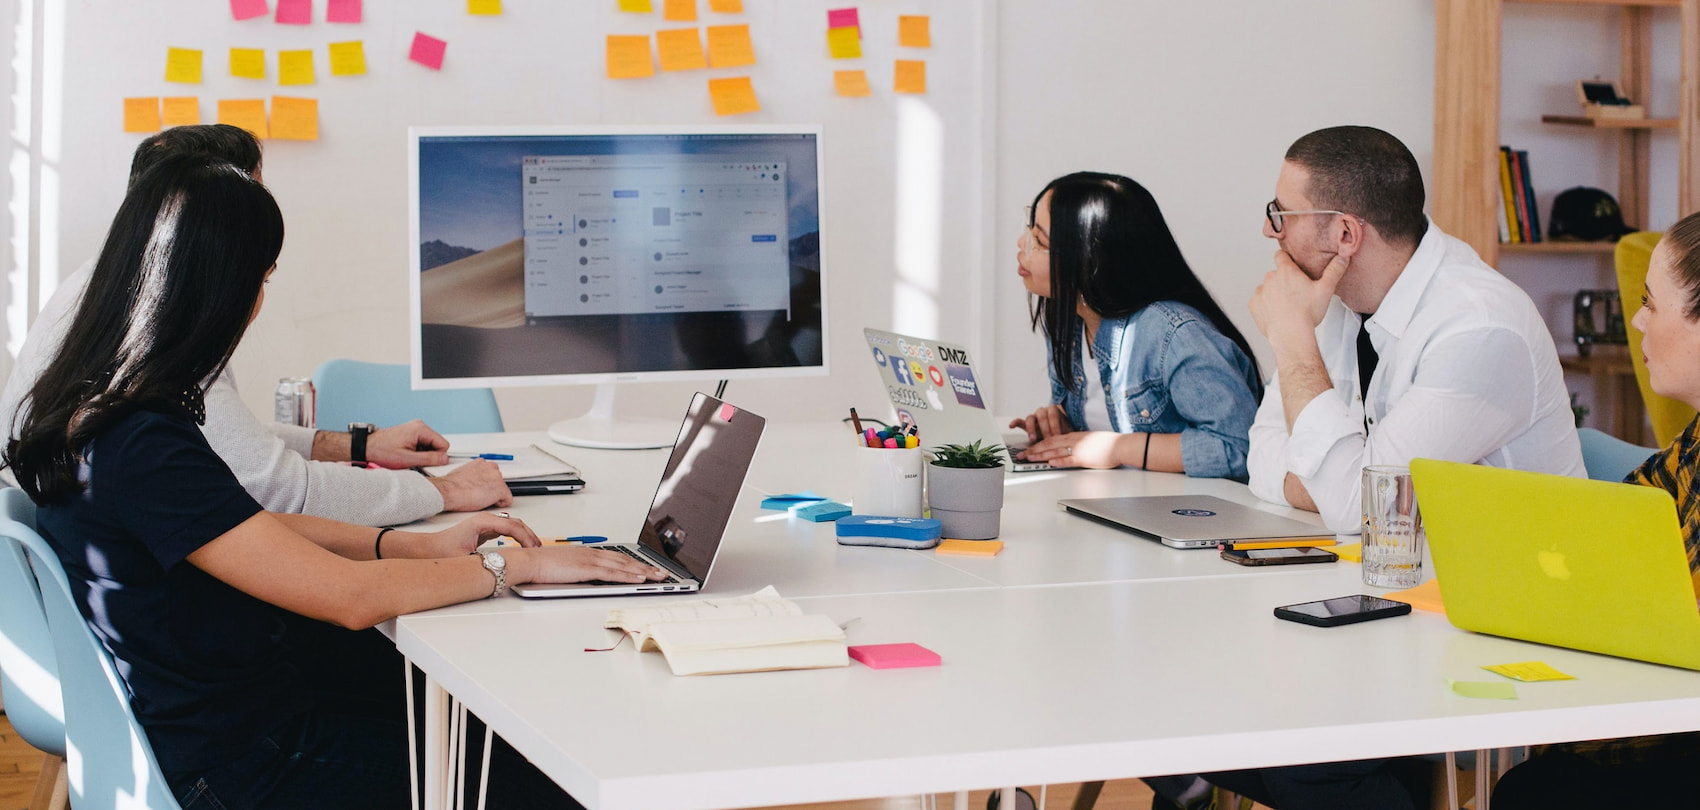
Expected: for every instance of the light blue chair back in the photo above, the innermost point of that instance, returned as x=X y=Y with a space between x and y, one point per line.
x=107 y=753
x=29 y=669
x=1609 y=458
x=382 y=394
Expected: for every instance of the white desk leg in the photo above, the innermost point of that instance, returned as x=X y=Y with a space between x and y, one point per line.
x=1451 y=766
x=961 y=800
x=412 y=740
x=1008 y=800
x=436 y=745
x=459 y=800
x=484 y=772
x=1484 y=764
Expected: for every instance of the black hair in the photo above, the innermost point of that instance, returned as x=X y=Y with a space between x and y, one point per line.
x=1368 y=173
x=233 y=145
x=171 y=294
x=1111 y=247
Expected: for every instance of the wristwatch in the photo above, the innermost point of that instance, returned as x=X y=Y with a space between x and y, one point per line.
x=496 y=564
x=357 y=433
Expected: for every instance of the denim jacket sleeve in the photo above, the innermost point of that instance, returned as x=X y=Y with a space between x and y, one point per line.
x=1208 y=378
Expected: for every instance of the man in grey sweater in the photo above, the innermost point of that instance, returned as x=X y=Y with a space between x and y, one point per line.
x=285 y=468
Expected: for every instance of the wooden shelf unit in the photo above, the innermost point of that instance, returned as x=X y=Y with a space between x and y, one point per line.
x=1559 y=248
x=1610 y=123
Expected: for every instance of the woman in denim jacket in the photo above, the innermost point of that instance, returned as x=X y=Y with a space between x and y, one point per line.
x=1172 y=384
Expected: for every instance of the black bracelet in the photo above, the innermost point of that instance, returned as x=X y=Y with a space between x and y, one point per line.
x=1145 y=456
x=378 y=544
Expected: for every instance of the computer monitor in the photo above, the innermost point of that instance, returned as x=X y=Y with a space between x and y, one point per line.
x=573 y=255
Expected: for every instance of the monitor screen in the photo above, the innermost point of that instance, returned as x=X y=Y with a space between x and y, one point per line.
x=606 y=254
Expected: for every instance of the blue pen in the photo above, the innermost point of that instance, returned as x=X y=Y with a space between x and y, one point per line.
x=585 y=539
x=485 y=456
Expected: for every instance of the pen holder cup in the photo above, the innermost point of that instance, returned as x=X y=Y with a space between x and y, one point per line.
x=888 y=482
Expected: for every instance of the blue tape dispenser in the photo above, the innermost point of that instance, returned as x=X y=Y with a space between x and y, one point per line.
x=888 y=532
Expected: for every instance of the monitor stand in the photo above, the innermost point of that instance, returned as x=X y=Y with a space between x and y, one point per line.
x=600 y=429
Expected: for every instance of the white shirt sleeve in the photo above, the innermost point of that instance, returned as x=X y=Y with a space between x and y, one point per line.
x=298 y=439
x=1266 y=464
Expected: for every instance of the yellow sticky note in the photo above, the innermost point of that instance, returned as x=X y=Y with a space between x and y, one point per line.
x=970 y=548
x=681 y=49
x=294 y=67
x=1486 y=690
x=183 y=65
x=628 y=57
x=845 y=42
x=182 y=111
x=726 y=6
x=1350 y=552
x=484 y=7
x=295 y=119
x=637 y=6
x=247 y=113
x=141 y=114
x=729 y=46
x=914 y=31
x=1529 y=672
x=911 y=76
x=734 y=96
x=1423 y=597
x=680 y=10
x=348 y=58
x=851 y=83
x=248 y=63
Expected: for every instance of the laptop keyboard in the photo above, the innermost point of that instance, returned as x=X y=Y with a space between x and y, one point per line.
x=634 y=555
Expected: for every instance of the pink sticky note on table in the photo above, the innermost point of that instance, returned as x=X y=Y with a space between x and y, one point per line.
x=428 y=50
x=295 y=12
x=344 y=11
x=895 y=656
x=248 y=9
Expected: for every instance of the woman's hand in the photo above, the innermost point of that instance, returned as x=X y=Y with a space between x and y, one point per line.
x=464 y=537
x=1094 y=449
x=1044 y=423
x=584 y=564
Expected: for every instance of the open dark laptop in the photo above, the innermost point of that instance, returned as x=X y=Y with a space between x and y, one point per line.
x=688 y=516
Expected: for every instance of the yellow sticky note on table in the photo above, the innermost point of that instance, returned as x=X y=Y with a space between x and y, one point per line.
x=484 y=7
x=183 y=65
x=911 y=76
x=1423 y=597
x=247 y=113
x=729 y=46
x=294 y=67
x=1529 y=672
x=852 y=83
x=182 y=111
x=970 y=548
x=734 y=96
x=680 y=10
x=1350 y=552
x=637 y=6
x=295 y=119
x=681 y=49
x=914 y=31
x=628 y=57
x=726 y=6
x=845 y=42
x=248 y=63
x=141 y=114
x=1483 y=690
x=348 y=58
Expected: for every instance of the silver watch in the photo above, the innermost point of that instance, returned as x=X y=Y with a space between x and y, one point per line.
x=496 y=564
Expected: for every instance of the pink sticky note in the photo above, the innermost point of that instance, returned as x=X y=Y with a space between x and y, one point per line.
x=343 y=11
x=295 y=12
x=727 y=411
x=428 y=50
x=248 y=9
x=895 y=656
x=842 y=18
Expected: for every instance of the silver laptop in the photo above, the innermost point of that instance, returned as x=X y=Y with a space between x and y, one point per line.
x=1191 y=521
x=932 y=385
x=688 y=516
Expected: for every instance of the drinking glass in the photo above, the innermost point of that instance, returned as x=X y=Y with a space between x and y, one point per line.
x=1393 y=529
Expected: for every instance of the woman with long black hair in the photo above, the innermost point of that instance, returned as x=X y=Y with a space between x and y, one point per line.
x=1146 y=369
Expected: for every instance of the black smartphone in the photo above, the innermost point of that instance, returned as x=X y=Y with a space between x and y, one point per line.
x=1342 y=610
x=546 y=486
x=1280 y=556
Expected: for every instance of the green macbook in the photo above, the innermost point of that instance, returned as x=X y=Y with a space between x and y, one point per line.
x=1588 y=565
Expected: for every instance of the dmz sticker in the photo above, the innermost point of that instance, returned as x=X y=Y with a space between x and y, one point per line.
x=1194 y=512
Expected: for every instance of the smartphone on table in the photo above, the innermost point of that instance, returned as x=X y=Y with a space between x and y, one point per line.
x=1279 y=556
x=1342 y=610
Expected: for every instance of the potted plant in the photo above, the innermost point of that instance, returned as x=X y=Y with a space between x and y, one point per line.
x=965 y=489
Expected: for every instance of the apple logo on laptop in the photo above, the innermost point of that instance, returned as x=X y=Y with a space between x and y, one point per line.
x=1552 y=563
x=933 y=399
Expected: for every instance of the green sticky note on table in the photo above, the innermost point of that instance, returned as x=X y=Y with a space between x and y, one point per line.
x=1484 y=690
x=1529 y=672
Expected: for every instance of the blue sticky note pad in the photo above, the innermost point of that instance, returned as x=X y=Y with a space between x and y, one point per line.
x=821 y=511
x=780 y=503
x=890 y=532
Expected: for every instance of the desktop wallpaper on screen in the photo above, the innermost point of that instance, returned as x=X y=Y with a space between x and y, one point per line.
x=614 y=254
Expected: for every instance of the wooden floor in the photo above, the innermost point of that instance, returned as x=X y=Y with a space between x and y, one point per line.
x=19 y=765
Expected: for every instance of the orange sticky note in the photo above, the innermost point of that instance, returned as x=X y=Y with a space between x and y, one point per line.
x=295 y=67
x=914 y=31
x=844 y=43
x=636 y=6
x=681 y=49
x=182 y=111
x=247 y=113
x=348 y=58
x=911 y=76
x=248 y=63
x=729 y=46
x=971 y=548
x=486 y=8
x=1423 y=597
x=141 y=114
x=851 y=83
x=183 y=65
x=295 y=119
x=680 y=10
x=734 y=96
x=726 y=6
x=628 y=57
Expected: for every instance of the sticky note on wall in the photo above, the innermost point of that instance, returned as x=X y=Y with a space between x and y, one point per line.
x=247 y=113
x=183 y=65
x=853 y=83
x=348 y=58
x=629 y=57
x=911 y=76
x=182 y=111
x=427 y=50
x=679 y=10
x=295 y=119
x=844 y=43
x=726 y=6
x=680 y=49
x=344 y=11
x=295 y=12
x=141 y=114
x=636 y=6
x=248 y=9
x=484 y=8
x=914 y=31
x=248 y=63
x=734 y=96
x=843 y=18
x=294 y=67
x=729 y=46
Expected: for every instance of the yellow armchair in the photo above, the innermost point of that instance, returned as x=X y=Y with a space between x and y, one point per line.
x=1634 y=252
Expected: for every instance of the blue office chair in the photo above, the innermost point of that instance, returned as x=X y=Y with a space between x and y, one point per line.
x=107 y=747
x=1609 y=458
x=29 y=669
x=382 y=394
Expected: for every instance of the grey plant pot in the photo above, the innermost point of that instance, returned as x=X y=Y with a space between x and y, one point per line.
x=966 y=502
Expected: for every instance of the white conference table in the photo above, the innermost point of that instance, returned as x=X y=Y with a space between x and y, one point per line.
x=1079 y=653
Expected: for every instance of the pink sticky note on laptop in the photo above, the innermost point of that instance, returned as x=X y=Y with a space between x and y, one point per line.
x=895 y=656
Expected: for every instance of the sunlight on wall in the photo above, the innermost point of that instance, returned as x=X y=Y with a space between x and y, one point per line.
x=18 y=173
x=920 y=216
x=37 y=111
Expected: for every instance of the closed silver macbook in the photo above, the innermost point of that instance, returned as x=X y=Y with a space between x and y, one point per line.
x=1191 y=521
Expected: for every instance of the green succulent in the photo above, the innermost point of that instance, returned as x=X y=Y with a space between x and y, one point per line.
x=974 y=456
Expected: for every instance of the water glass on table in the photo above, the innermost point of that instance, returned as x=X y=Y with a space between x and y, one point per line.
x=1393 y=529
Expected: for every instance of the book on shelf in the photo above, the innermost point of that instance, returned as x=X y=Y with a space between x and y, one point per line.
x=1534 y=208
x=1512 y=234
x=1517 y=193
x=758 y=632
